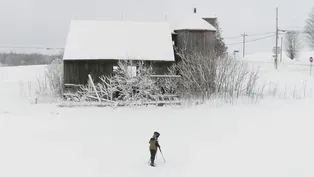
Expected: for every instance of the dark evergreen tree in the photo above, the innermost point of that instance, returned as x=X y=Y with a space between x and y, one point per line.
x=220 y=47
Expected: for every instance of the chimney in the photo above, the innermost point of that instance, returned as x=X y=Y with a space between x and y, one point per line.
x=195 y=10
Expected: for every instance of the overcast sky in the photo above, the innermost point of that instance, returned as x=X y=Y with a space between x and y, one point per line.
x=45 y=22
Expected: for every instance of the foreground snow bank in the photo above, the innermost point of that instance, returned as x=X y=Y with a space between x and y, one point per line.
x=270 y=139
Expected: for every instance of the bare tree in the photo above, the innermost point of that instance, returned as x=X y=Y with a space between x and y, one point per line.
x=292 y=44
x=197 y=72
x=207 y=76
x=309 y=28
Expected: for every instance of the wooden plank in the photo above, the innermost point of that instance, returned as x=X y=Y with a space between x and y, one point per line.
x=106 y=100
x=91 y=80
x=163 y=102
x=106 y=104
x=84 y=104
x=69 y=94
x=167 y=76
x=168 y=95
x=73 y=85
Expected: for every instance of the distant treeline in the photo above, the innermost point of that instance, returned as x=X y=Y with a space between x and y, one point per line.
x=17 y=59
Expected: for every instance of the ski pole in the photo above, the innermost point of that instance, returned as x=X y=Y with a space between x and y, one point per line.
x=162 y=155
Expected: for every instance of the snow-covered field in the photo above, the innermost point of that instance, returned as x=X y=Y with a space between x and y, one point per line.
x=270 y=139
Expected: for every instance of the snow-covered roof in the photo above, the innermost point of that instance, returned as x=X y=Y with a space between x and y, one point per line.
x=194 y=22
x=132 y=40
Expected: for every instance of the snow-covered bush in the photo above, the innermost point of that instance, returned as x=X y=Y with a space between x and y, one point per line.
x=235 y=78
x=197 y=75
x=50 y=85
x=125 y=87
x=131 y=88
x=54 y=75
x=207 y=76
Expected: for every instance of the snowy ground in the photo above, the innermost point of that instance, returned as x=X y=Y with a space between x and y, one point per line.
x=269 y=139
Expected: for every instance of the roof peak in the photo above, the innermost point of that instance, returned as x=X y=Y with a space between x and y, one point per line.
x=120 y=21
x=195 y=22
x=115 y=40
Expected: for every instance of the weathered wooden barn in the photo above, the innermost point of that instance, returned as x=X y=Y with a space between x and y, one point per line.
x=195 y=34
x=95 y=47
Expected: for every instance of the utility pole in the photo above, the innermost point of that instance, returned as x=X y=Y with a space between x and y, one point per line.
x=243 y=35
x=276 y=48
x=281 y=50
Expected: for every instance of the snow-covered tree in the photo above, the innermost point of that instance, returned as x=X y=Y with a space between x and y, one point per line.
x=309 y=28
x=292 y=44
x=127 y=87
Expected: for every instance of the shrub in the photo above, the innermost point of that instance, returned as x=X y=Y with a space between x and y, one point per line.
x=52 y=82
x=206 y=76
x=123 y=87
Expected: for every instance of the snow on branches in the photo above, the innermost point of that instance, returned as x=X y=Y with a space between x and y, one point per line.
x=131 y=83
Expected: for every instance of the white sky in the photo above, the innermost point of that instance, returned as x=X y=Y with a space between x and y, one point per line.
x=45 y=22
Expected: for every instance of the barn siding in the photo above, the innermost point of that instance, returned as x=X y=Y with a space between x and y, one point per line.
x=76 y=71
x=161 y=68
x=199 y=41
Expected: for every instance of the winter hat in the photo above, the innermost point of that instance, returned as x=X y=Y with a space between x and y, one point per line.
x=157 y=134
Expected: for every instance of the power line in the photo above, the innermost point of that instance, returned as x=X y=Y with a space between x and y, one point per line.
x=253 y=40
x=61 y=48
x=262 y=34
x=233 y=37
x=257 y=34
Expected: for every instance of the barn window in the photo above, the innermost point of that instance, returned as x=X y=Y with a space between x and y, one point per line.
x=131 y=70
x=115 y=68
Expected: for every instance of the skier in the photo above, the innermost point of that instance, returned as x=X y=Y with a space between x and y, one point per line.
x=154 y=145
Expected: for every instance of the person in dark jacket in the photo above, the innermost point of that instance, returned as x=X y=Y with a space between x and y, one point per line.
x=153 y=146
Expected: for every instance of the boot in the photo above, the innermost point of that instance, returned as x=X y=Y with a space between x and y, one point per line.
x=152 y=163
